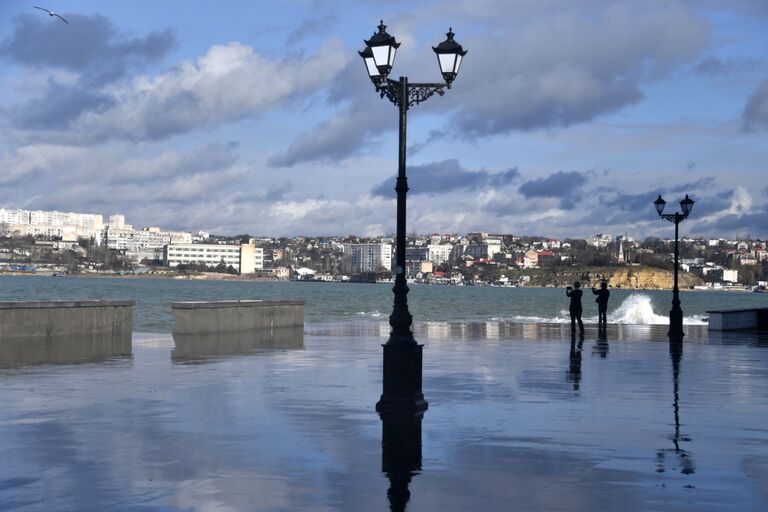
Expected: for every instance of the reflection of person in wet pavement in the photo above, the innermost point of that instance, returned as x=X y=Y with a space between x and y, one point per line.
x=574 y=309
x=574 y=364
x=684 y=459
x=602 y=303
x=601 y=345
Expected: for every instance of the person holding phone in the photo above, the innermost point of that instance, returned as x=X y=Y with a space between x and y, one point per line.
x=574 y=309
x=602 y=304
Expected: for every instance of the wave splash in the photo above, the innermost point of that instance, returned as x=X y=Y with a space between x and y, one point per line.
x=636 y=309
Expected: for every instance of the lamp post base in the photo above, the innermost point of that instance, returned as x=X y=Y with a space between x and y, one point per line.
x=402 y=380
x=676 y=323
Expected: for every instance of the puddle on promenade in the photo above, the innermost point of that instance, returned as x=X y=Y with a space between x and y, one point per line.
x=611 y=422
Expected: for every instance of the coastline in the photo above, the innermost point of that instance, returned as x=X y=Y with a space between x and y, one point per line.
x=218 y=277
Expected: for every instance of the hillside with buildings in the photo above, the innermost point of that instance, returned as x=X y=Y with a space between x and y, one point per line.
x=68 y=242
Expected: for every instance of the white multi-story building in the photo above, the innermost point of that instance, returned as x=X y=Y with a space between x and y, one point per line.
x=88 y=221
x=600 y=240
x=551 y=244
x=141 y=244
x=201 y=237
x=67 y=225
x=482 y=251
x=118 y=221
x=66 y=233
x=368 y=257
x=439 y=253
x=14 y=216
x=246 y=258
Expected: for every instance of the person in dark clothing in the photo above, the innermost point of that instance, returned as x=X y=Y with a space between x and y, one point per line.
x=602 y=304
x=575 y=294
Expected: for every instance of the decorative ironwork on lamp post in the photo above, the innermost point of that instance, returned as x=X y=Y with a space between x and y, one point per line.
x=675 y=314
x=402 y=355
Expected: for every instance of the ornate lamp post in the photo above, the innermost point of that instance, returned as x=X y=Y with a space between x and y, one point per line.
x=675 y=314
x=402 y=355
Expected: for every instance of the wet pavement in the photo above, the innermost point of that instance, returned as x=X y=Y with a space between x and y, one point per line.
x=519 y=419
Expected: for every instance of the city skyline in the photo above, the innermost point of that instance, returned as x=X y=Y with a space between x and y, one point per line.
x=10 y=222
x=253 y=120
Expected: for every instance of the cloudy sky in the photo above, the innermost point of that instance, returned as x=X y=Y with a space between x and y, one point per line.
x=567 y=118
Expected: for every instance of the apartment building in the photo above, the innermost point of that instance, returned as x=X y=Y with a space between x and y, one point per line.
x=246 y=258
x=65 y=225
x=141 y=244
x=439 y=253
x=368 y=257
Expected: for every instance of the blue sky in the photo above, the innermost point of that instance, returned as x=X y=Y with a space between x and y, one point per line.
x=566 y=120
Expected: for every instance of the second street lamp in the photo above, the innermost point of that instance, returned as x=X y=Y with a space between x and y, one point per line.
x=402 y=355
x=676 y=313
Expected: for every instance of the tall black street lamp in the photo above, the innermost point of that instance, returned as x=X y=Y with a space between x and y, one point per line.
x=675 y=314
x=402 y=355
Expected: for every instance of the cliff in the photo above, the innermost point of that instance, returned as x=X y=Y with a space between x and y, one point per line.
x=650 y=278
x=643 y=278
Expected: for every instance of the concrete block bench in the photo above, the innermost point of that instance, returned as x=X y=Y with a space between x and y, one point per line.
x=64 y=331
x=236 y=315
x=209 y=329
x=737 y=319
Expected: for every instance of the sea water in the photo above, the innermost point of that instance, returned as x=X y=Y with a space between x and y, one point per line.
x=336 y=302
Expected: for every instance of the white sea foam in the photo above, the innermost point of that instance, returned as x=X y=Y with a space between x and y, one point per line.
x=370 y=314
x=635 y=310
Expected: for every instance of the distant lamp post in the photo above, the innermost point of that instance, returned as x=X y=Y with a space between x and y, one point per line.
x=675 y=314
x=402 y=355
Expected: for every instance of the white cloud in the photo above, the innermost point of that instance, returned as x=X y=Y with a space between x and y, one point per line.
x=229 y=83
x=561 y=65
x=30 y=162
x=152 y=141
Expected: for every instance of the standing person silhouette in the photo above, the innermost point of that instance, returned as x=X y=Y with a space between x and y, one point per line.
x=575 y=294
x=602 y=304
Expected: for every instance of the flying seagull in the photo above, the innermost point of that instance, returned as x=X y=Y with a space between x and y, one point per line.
x=51 y=13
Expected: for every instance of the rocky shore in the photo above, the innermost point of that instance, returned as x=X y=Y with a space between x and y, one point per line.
x=640 y=278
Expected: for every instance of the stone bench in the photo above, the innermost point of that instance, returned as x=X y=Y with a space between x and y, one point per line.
x=64 y=331
x=234 y=316
x=737 y=319
x=215 y=329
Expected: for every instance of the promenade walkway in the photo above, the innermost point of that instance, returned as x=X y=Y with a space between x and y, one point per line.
x=518 y=419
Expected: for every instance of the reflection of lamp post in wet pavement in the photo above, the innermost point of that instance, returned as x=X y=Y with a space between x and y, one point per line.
x=676 y=313
x=400 y=455
x=685 y=461
x=402 y=355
